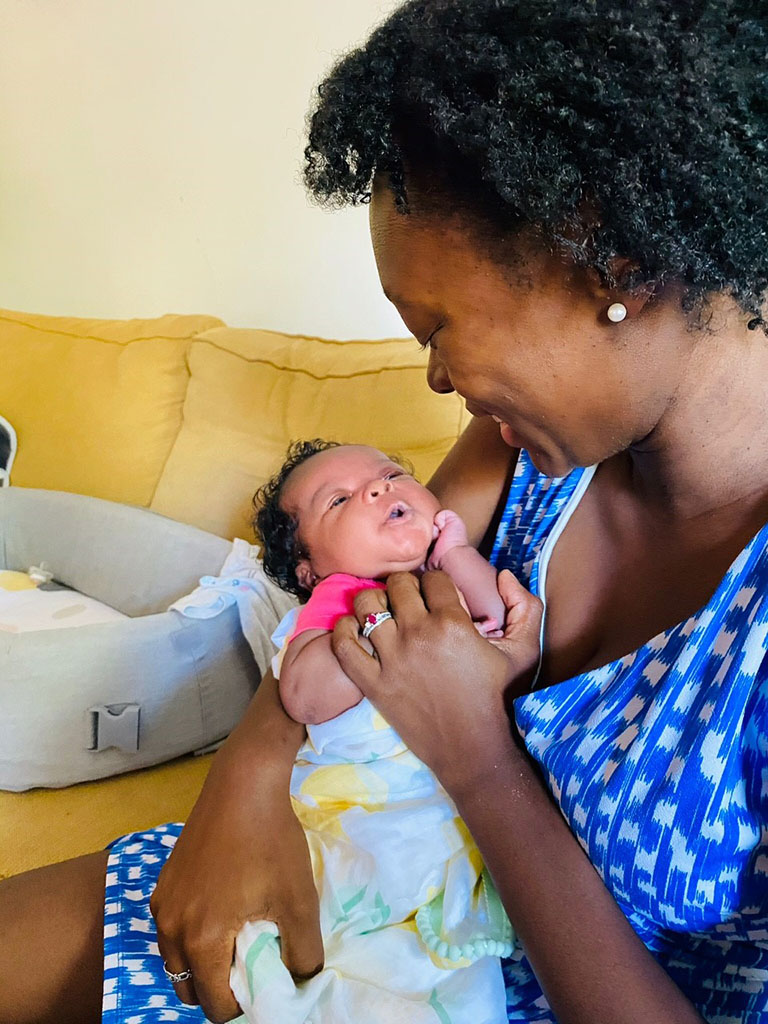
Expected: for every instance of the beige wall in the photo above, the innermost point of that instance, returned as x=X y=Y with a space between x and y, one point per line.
x=149 y=163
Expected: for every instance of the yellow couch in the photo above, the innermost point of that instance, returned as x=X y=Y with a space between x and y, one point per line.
x=186 y=416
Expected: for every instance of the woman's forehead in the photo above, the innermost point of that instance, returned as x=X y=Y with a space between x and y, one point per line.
x=411 y=254
x=430 y=263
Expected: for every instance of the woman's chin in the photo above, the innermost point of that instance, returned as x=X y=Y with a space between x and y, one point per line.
x=557 y=465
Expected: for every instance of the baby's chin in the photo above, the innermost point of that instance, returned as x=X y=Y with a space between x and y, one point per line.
x=411 y=549
x=408 y=566
x=404 y=563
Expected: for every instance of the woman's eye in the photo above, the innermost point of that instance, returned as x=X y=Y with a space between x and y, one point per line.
x=428 y=342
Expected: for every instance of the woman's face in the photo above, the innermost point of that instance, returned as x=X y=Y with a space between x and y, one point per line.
x=529 y=343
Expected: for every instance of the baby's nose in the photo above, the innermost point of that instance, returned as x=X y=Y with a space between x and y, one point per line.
x=377 y=487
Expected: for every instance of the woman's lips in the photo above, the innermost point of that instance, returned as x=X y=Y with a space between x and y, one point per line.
x=504 y=428
x=506 y=433
x=508 y=437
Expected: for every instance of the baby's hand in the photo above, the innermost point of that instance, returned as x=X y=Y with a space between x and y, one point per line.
x=450 y=532
x=486 y=627
x=489 y=628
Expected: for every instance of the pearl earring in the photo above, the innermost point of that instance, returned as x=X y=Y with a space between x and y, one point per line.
x=616 y=312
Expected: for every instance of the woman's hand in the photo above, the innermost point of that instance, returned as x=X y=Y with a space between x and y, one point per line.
x=241 y=856
x=443 y=687
x=521 y=639
x=440 y=684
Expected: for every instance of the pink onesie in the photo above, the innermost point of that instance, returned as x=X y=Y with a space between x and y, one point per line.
x=332 y=598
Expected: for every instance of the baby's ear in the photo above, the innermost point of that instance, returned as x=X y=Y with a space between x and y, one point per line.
x=304 y=574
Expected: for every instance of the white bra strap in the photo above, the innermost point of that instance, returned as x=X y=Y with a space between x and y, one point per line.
x=549 y=545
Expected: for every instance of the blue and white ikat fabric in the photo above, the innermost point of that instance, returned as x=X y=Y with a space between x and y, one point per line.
x=659 y=761
x=136 y=990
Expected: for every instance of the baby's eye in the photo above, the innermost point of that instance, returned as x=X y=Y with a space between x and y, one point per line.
x=338 y=500
x=393 y=474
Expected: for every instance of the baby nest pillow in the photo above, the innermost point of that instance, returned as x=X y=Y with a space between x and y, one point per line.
x=141 y=685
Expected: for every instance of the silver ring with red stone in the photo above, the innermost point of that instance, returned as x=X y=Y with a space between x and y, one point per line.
x=373 y=620
x=176 y=978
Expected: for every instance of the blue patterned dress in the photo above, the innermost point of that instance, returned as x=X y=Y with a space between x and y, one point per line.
x=659 y=761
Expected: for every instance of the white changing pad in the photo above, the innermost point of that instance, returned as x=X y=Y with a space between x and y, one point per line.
x=25 y=607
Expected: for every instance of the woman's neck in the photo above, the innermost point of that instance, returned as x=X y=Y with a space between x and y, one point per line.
x=709 y=450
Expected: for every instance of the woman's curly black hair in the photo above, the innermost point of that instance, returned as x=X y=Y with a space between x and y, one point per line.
x=276 y=528
x=635 y=129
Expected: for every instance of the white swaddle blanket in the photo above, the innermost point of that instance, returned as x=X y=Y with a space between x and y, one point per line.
x=242 y=581
x=412 y=926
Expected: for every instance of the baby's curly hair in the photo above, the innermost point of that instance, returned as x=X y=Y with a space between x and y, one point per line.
x=275 y=527
x=635 y=129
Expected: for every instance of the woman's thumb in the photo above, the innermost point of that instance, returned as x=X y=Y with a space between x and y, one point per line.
x=524 y=610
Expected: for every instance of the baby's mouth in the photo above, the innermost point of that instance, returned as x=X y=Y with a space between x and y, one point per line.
x=397 y=512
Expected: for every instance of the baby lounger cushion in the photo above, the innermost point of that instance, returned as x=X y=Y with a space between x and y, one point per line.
x=98 y=699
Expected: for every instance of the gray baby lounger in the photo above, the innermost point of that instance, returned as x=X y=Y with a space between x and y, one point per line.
x=93 y=700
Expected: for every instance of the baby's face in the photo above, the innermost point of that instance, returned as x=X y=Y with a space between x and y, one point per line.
x=359 y=513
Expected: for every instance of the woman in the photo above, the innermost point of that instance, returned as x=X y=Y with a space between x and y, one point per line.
x=569 y=208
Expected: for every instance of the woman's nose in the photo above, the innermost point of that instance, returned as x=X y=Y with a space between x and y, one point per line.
x=437 y=375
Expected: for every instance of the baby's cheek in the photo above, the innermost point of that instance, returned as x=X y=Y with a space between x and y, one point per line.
x=428 y=502
x=427 y=534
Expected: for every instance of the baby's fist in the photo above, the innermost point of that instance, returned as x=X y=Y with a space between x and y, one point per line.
x=451 y=533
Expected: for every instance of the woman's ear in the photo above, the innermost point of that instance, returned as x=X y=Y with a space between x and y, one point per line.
x=304 y=574
x=633 y=299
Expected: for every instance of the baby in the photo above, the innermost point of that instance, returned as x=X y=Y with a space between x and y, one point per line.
x=355 y=516
x=412 y=926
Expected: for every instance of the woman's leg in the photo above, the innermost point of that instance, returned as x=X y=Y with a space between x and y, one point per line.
x=51 y=943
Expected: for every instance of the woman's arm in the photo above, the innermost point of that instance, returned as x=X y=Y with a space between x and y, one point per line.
x=590 y=963
x=433 y=667
x=241 y=856
x=471 y=478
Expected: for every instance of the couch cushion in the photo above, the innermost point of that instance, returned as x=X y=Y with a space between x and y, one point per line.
x=252 y=392
x=96 y=403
